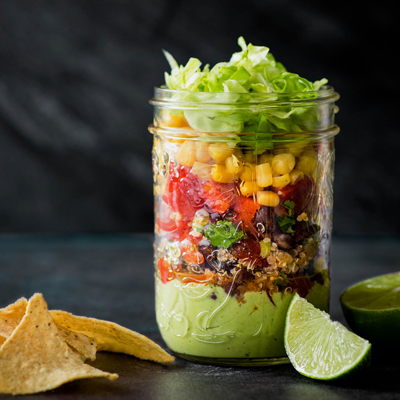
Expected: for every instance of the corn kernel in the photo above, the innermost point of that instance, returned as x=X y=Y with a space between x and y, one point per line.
x=249 y=188
x=279 y=150
x=281 y=181
x=283 y=163
x=268 y=198
x=220 y=152
x=296 y=148
x=187 y=153
x=310 y=150
x=219 y=174
x=202 y=170
x=233 y=165
x=296 y=175
x=202 y=153
x=175 y=121
x=264 y=175
x=238 y=153
x=249 y=157
x=307 y=162
x=248 y=173
x=265 y=158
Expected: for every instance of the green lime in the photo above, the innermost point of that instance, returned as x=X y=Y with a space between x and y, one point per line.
x=372 y=308
x=320 y=348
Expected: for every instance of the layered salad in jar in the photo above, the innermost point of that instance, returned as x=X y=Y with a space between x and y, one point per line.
x=242 y=159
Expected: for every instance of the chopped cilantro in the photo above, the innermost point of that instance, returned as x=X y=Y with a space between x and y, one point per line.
x=223 y=234
x=282 y=280
x=286 y=223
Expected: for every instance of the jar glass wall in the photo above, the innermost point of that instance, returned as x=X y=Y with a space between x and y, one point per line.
x=243 y=218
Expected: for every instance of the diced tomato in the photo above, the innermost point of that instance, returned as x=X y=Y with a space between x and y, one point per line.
x=220 y=196
x=190 y=253
x=181 y=210
x=166 y=274
x=245 y=210
x=190 y=186
x=184 y=234
x=248 y=251
x=302 y=193
x=193 y=257
x=195 y=237
x=167 y=226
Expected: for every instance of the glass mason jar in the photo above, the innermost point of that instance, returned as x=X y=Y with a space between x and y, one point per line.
x=243 y=218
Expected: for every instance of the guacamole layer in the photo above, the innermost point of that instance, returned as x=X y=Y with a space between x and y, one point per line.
x=203 y=320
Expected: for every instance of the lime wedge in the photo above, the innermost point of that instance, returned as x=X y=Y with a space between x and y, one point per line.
x=320 y=348
x=372 y=308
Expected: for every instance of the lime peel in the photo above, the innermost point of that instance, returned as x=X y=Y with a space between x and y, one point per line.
x=320 y=348
x=372 y=308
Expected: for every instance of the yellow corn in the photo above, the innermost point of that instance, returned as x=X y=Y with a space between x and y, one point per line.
x=264 y=175
x=307 y=162
x=238 y=153
x=187 y=153
x=233 y=165
x=248 y=173
x=249 y=188
x=175 y=121
x=268 y=198
x=219 y=174
x=296 y=148
x=202 y=153
x=265 y=158
x=279 y=150
x=249 y=157
x=220 y=152
x=310 y=150
x=283 y=163
x=281 y=181
x=296 y=175
x=202 y=170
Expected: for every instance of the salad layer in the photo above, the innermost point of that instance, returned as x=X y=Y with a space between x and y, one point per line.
x=241 y=221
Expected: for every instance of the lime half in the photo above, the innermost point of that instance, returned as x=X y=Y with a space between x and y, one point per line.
x=372 y=308
x=320 y=348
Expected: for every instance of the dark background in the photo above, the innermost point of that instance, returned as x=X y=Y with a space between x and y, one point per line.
x=76 y=78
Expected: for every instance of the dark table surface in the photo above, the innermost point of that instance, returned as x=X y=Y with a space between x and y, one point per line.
x=111 y=277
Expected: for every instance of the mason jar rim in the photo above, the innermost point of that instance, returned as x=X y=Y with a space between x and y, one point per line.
x=164 y=97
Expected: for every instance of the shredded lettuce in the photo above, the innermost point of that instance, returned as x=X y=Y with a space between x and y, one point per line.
x=251 y=70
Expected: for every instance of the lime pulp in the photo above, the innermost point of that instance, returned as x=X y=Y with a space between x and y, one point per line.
x=320 y=348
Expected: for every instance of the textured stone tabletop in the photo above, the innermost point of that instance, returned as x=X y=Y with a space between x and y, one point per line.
x=111 y=277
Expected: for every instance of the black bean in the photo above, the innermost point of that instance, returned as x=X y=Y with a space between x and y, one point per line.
x=283 y=240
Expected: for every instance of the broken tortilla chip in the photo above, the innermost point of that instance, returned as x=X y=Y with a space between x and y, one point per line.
x=36 y=358
x=83 y=344
x=113 y=337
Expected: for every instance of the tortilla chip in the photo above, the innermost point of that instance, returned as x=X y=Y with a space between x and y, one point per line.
x=83 y=344
x=11 y=316
x=113 y=337
x=35 y=357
